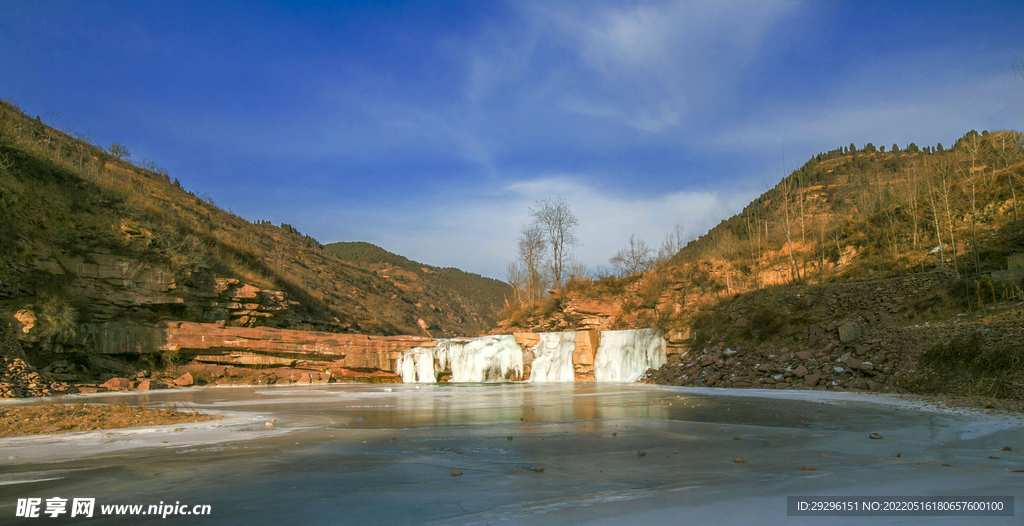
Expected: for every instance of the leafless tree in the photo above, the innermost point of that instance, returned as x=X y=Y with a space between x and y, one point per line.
x=910 y=190
x=673 y=243
x=945 y=189
x=1005 y=156
x=969 y=179
x=786 y=219
x=754 y=244
x=577 y=268
x=532 y=246
x=516 y=278
x=932 y=190
x=559 y=223
x=119 y=151
x=634 y=258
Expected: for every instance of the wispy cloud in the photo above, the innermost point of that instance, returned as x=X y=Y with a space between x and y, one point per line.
x=479 y=233
x=925 y=115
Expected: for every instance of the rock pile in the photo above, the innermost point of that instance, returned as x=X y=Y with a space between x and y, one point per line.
x=859 y=335
x=19 y=380
x=840 y=336
x=836 y=367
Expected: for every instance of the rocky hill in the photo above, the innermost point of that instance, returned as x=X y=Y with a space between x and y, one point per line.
x=864 y=269
x=92 y=245
x=472 y=300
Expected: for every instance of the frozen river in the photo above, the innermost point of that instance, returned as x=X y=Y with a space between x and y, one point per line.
x=373 y=454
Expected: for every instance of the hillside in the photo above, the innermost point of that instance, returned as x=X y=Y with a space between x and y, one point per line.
x=470 y=297
x=841 y=242
x=89 y=240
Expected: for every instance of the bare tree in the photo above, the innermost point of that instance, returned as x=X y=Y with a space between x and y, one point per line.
x=516 y=278
x=1005 y=156
x=753 y=229
x=938 y=226
x=910 y=193
x=559 y=223
x=577 y=268
x=969 y=178
x=634 y=258
x=119 y=151
x=673 y=243
x=946 y=188
x=786 y=212
x=531 y=259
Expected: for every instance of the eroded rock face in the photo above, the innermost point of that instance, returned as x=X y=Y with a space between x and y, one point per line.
x=270 y=346
x=111 y=287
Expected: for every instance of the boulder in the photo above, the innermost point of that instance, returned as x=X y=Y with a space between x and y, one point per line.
x=849 y=332
x=149 y=385
x=800 y=371
x=117 y=383
x=184 y=380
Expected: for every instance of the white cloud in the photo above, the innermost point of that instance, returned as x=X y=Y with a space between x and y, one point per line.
x=479 y=234
x=655 y=63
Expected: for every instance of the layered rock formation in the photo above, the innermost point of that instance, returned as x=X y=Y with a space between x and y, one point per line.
x=113 y=287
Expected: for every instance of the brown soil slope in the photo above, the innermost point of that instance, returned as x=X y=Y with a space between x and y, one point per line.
x=88 y=240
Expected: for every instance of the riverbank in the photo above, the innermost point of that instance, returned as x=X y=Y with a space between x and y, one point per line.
x=54 y=417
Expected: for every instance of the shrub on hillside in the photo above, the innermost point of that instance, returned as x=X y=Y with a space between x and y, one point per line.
x=970 y=366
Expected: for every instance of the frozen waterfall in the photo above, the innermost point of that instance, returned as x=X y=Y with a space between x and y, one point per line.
x=621 y=356
x=417 y=366
x=624 y=356
x=486 y=359
x=553 y=357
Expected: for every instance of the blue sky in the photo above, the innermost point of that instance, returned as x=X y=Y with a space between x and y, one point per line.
x=431 y=128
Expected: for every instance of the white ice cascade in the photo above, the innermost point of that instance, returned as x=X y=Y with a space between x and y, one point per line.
x=624 y=356
x=553 y=357
x=486 y=359
x=424 y=364
x=417 y=365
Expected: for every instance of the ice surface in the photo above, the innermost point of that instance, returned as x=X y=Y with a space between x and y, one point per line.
x=553 y=357
x=369 y=454
x=624 y=356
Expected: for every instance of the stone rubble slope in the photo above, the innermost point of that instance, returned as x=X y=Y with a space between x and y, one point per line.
x=860 y=335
